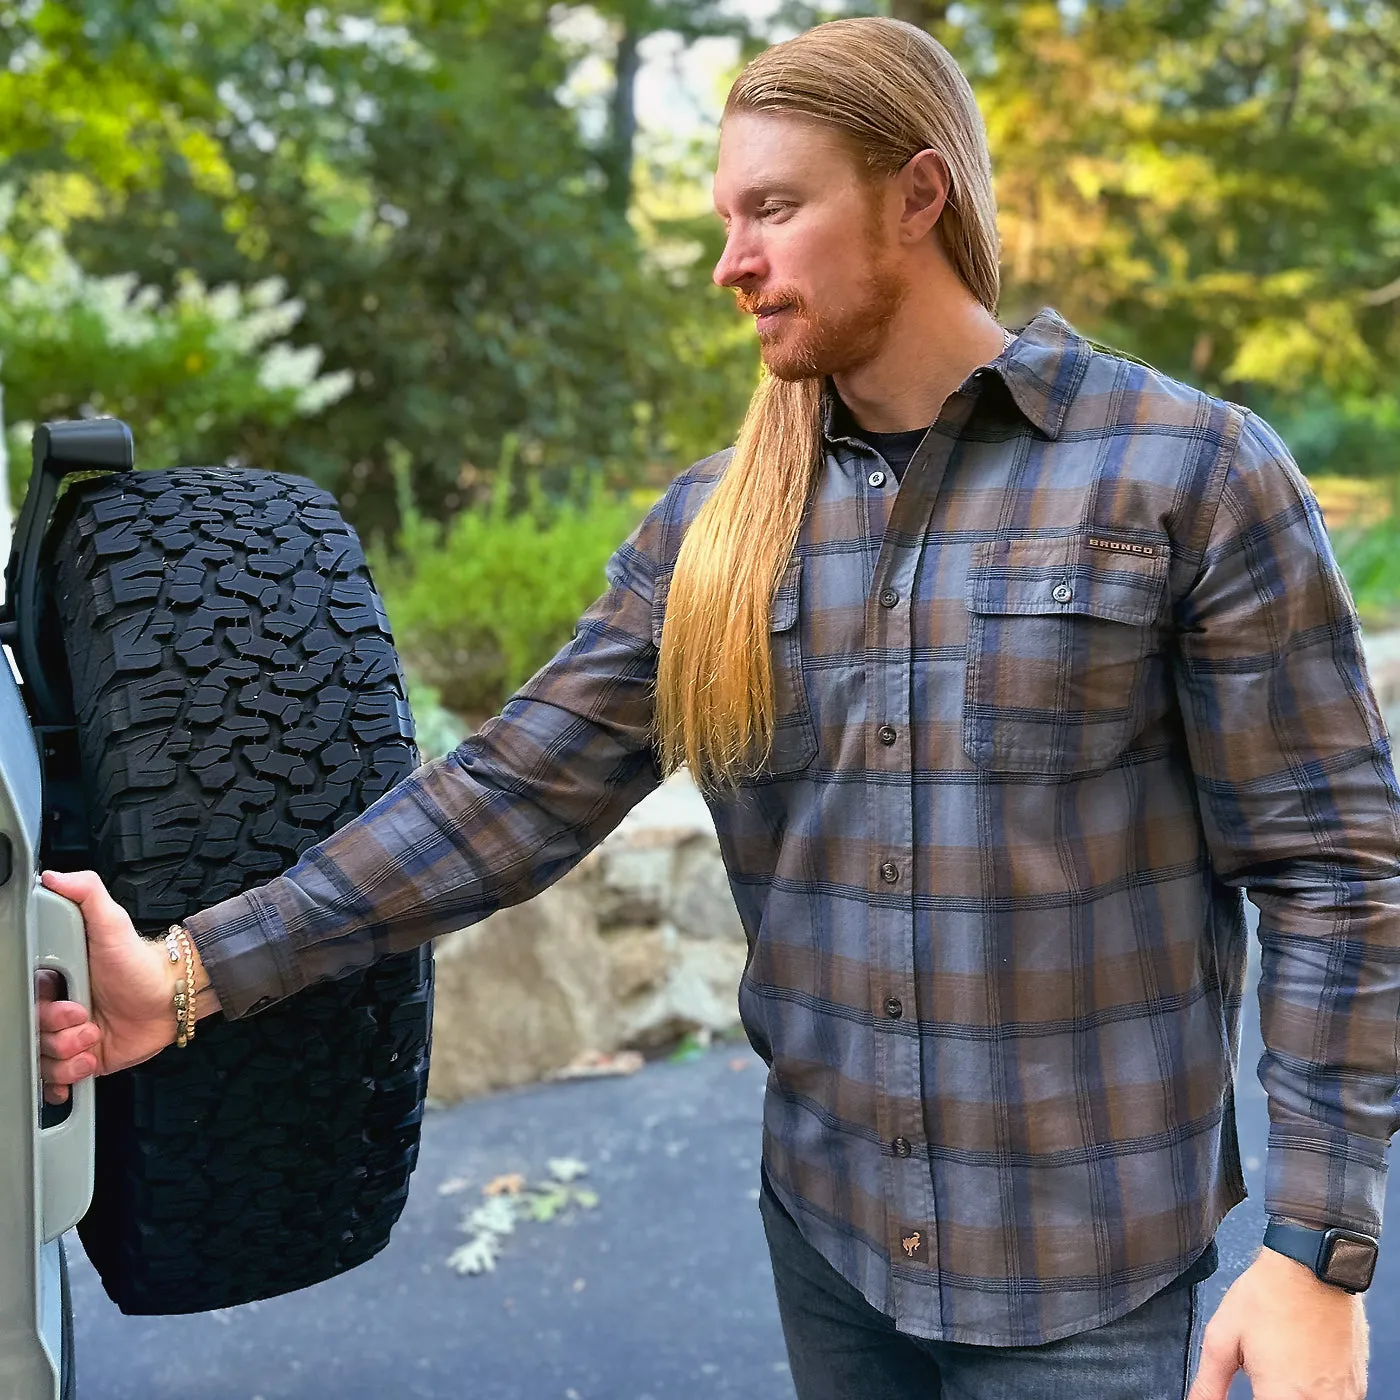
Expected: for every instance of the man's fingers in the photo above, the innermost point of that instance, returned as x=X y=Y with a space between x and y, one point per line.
x=47 y=984
x=60 y=1015
x=69 y=1070
x=64 y=1044
x=1220 y=1359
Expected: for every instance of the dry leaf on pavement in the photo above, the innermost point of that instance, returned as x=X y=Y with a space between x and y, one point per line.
x=510 y=1184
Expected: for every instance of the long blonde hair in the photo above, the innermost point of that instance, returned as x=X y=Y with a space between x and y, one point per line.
x=892 y=90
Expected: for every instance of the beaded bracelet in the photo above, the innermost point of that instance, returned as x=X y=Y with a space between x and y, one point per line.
x=176 y=940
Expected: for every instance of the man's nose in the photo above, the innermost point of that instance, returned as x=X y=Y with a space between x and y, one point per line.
x=739 y=264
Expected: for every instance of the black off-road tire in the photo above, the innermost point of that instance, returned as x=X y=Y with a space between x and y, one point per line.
x=238 y=699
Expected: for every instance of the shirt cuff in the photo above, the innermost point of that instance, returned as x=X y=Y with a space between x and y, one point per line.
x=244 y=947
x=1325 y=1177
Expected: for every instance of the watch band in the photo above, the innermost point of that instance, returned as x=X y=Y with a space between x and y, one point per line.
x=1344 y=1258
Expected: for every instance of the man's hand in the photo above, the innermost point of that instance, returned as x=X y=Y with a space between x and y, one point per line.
x=132 y=985
x=1296 y=1337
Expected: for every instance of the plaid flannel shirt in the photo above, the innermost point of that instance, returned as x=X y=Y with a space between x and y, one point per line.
x=1047 y=705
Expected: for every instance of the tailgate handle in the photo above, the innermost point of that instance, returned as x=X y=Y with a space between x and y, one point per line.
x=67 y=1147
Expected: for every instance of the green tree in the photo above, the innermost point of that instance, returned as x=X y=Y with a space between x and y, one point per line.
x=410 y=173
x=1211 y=184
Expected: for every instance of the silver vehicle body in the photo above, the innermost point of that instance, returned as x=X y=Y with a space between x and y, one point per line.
x=45 y=1173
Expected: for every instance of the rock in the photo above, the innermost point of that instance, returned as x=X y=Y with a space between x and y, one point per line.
x=636 y=870
x=635 y=947
x=520 y=994
x=701 y=902
x=700 y=993
x=640 y=959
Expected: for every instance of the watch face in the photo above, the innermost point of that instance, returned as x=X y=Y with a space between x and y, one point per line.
x=1350 y=1262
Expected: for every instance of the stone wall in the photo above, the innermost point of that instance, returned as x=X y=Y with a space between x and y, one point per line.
x=637 y=945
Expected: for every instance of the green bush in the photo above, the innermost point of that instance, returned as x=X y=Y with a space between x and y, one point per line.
x=480 y=604
x=202 y=375
x=1370 y=560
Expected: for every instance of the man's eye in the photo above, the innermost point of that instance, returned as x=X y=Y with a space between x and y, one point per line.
x=769 y=211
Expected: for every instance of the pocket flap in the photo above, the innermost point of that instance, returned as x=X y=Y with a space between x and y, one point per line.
x=786 y=598
x=1046 y=577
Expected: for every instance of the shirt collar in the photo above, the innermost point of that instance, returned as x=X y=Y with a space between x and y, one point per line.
x=1042 y=370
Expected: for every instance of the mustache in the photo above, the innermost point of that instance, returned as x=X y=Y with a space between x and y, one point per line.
x=755 y=303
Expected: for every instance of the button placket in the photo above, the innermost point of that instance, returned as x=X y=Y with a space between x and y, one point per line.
x=911 y=1218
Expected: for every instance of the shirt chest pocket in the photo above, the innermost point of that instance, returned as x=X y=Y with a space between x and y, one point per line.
x=1058 y=631
x=794 y=729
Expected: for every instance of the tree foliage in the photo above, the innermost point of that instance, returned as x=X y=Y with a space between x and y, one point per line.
x=409 y=172
x=1213 y=185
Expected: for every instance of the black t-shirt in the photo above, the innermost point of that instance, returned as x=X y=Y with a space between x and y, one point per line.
x=895 y=448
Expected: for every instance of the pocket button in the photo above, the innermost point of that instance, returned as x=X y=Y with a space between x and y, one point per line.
x=1062 y=593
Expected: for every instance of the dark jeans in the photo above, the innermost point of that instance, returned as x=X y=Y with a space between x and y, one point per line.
x=840 y=1348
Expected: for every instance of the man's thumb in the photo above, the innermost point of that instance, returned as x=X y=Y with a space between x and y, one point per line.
x=1220 y=1359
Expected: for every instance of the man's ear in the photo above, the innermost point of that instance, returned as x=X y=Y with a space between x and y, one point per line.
x=924 y=182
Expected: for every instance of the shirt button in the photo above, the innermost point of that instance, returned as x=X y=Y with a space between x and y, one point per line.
x=887 y=734
x=889 y=598
x=876 y=478
x=894 y=1008
x=1062 y=593
x=901 y=1147
x=889 y=872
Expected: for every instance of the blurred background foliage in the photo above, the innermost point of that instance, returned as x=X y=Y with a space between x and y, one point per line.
x=390 y=246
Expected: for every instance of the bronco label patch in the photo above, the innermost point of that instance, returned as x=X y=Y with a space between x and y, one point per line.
x=1147 y=551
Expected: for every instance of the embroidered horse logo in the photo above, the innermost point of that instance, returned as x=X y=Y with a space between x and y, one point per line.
x=911 y=1243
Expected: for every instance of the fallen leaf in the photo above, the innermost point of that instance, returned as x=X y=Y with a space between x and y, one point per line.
x=453 y=1185
x=511 y=1184
x=566 y=1168
x=477 y=1256
x=596 y=1064
x=545 y=1205
x=496 y=1215
x=585 y=1198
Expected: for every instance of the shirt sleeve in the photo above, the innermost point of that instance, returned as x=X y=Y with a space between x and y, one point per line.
x=1299 y=803
x=511 y=810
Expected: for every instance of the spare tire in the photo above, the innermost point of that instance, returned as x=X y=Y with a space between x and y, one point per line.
x=237 y=698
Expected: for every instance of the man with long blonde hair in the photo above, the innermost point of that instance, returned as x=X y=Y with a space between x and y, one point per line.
x=1005 y=665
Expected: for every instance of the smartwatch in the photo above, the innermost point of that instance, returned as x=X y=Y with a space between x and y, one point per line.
x=1345 y=1258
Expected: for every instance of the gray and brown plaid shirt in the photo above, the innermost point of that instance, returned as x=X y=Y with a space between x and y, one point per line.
x=1047 y=705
